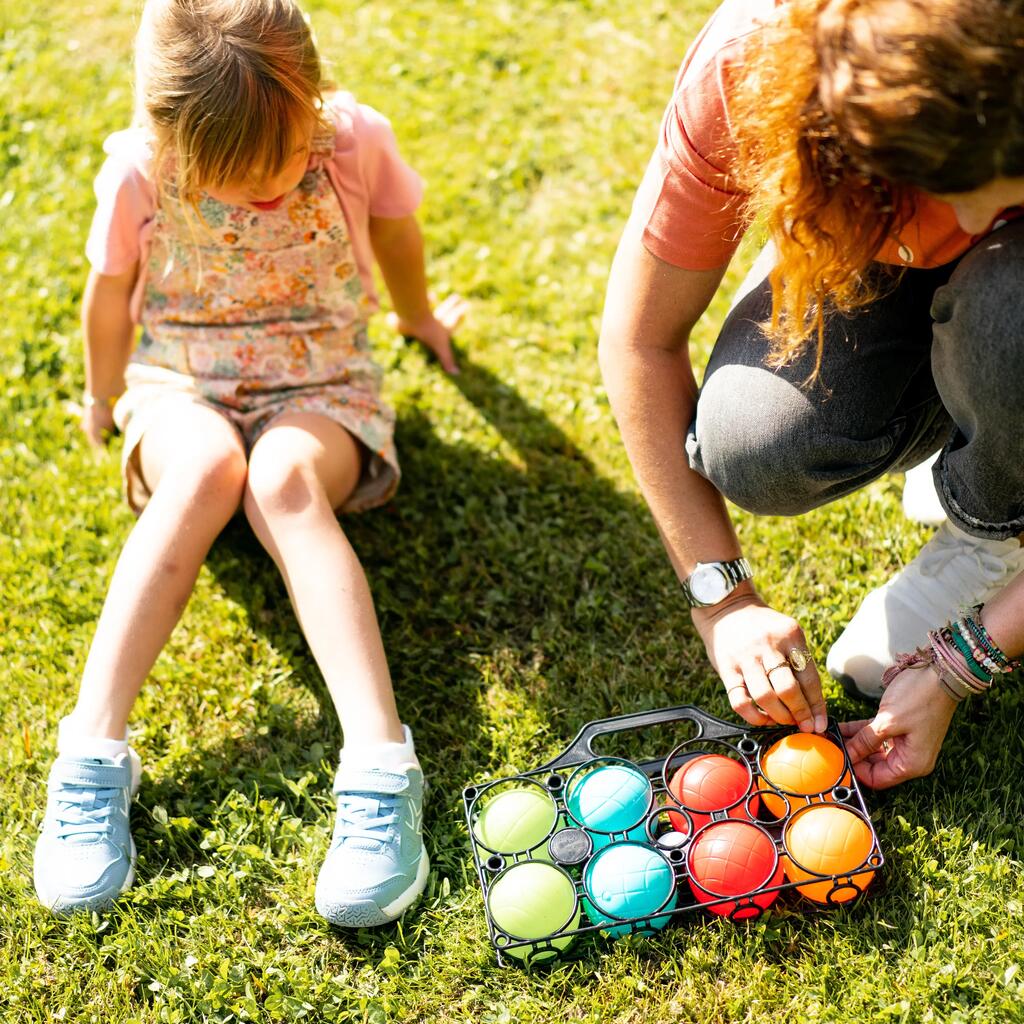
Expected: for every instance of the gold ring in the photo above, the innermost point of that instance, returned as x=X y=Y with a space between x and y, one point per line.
x=738 y=686
x=799 y=658
x=768 y=671
x=887 y=747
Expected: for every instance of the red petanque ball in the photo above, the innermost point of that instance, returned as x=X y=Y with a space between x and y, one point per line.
x=733 y=858
x=711 y=782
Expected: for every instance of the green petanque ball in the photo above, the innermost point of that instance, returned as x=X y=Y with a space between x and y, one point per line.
x=517 y=820
x=533 y=900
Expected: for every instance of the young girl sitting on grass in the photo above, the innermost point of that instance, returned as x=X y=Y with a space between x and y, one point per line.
x=237 y=222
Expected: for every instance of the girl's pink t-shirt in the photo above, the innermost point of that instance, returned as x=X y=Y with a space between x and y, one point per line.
x=692 y=216
x=366 y=170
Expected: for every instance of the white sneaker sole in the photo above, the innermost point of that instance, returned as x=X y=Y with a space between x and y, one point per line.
x=367 y=914
x=64 y=906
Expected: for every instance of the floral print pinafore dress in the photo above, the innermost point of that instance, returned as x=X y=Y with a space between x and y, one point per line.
x=258 y=313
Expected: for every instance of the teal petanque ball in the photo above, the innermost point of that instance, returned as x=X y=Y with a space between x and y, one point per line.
x=628 y=880
x=533 y=900
x=517 y=820
x=612 y=798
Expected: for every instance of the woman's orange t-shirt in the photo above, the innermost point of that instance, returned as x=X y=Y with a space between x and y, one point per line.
x=692 y=217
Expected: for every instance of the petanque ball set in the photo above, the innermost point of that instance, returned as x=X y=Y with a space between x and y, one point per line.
x=728 y=821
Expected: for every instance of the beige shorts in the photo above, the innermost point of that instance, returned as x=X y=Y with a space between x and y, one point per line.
x=151 y=390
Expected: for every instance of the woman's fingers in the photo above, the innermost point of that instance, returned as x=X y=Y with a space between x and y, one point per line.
x=760 y=688
x=787 y=688
x=878 y=774
x=739 y=699
x=865 y=741
x=810 y=684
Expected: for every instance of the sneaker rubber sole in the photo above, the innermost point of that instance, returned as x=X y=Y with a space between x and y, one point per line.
x=367 y=914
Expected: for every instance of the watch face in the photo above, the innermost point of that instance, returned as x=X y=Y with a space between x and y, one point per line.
x=708 y=584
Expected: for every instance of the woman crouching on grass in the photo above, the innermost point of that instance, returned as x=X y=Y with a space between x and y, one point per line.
x=881 y=143
x=238 y=221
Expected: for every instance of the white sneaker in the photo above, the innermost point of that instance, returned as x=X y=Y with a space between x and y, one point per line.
x=85 y=854
x=952 y=571
x=920 y=499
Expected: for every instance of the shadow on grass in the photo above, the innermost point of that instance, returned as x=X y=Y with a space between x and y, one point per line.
x=528 y=588
x=530 y=581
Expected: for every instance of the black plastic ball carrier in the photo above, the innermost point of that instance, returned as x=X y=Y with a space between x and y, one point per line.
x=730 y=819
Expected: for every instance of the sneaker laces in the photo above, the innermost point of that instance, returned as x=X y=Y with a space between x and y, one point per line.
x=991 y=565
x=366 y=820
x=84 y=812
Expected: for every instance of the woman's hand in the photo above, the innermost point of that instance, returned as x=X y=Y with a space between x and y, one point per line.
x=97 y=423
x=749 y=645
x=435 y=329
x=903 y=740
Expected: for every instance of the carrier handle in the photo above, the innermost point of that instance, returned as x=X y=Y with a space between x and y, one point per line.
x=581 y=746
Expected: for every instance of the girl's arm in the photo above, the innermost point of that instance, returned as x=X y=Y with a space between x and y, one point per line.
x=650 y=310
x=109 y=333
x=398 y=248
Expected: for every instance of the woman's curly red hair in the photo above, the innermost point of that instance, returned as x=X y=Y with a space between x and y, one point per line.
x=844 y=109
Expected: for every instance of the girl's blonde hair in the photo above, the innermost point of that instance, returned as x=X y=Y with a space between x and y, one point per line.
x=844 y=108
x=222 y=85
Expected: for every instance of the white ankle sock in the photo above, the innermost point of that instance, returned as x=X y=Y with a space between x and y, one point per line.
x=381 y=755
x=71 y=742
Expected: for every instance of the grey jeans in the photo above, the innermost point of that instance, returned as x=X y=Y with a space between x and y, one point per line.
x=936 y=363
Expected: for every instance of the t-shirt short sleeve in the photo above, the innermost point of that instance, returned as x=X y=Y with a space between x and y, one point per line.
x=692 y=218
x=692 y=213
x=393 y=188
x=125 y=204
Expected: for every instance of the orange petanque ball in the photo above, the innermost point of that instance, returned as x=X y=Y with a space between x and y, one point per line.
x=802 y=763
x=826 y=839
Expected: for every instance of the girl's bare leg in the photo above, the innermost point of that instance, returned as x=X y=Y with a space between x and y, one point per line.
x=194 y=464
x=300 y=471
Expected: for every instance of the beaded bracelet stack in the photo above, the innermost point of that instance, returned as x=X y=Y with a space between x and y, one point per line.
x=964 y=656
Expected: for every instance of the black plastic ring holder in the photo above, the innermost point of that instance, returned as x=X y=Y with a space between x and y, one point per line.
x=569 y=847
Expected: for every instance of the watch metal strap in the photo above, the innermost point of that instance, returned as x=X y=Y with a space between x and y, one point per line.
x=736 y=572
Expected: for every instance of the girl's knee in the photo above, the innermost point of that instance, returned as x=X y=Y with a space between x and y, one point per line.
x=213 y=478
x=279 y=484
x=301 y=465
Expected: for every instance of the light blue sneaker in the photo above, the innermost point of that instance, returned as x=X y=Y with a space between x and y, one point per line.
x=376 y=866
x=85 y=855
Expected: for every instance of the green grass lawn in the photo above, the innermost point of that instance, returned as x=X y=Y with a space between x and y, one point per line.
x=520 y=583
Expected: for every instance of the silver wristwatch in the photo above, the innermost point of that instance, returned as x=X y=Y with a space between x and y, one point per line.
x=711 y=582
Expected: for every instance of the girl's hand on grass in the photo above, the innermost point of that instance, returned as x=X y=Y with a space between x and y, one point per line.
x=98 y=423
x=749 y=645
x=904 y=739
x=435 y=329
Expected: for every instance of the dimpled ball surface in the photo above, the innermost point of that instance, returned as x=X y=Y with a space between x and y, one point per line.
x=803 y=763
x=612 y=798
x=710 y=782
x=533 y=900
x=732 y=858
x=628 y=880
x=516 y=820
x=828 y=840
